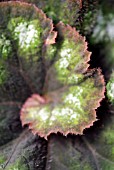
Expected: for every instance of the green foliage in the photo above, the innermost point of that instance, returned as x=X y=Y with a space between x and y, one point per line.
x=88 y=16
x=18 y=165
x=69 y=92
x=63 y=80
x=5 y=47
x=27 y=34
x=66 y=11
x=3 y=74
x=2 y=161
x=69 y=96
x=110 y=88
x=81 y=14
x=103 y=31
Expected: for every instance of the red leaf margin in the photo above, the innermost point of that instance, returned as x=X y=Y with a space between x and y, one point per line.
x=36 y=100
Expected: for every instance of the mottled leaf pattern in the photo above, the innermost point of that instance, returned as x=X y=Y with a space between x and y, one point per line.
x=24 y=29
x=70 y=97
x=50 y=84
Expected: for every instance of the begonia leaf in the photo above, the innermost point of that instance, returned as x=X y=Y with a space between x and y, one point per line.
x=70 y=94
x=24 y=30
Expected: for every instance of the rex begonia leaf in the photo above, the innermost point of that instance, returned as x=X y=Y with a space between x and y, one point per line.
x=70 y=93
x=24 y=30
x=64 y=95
